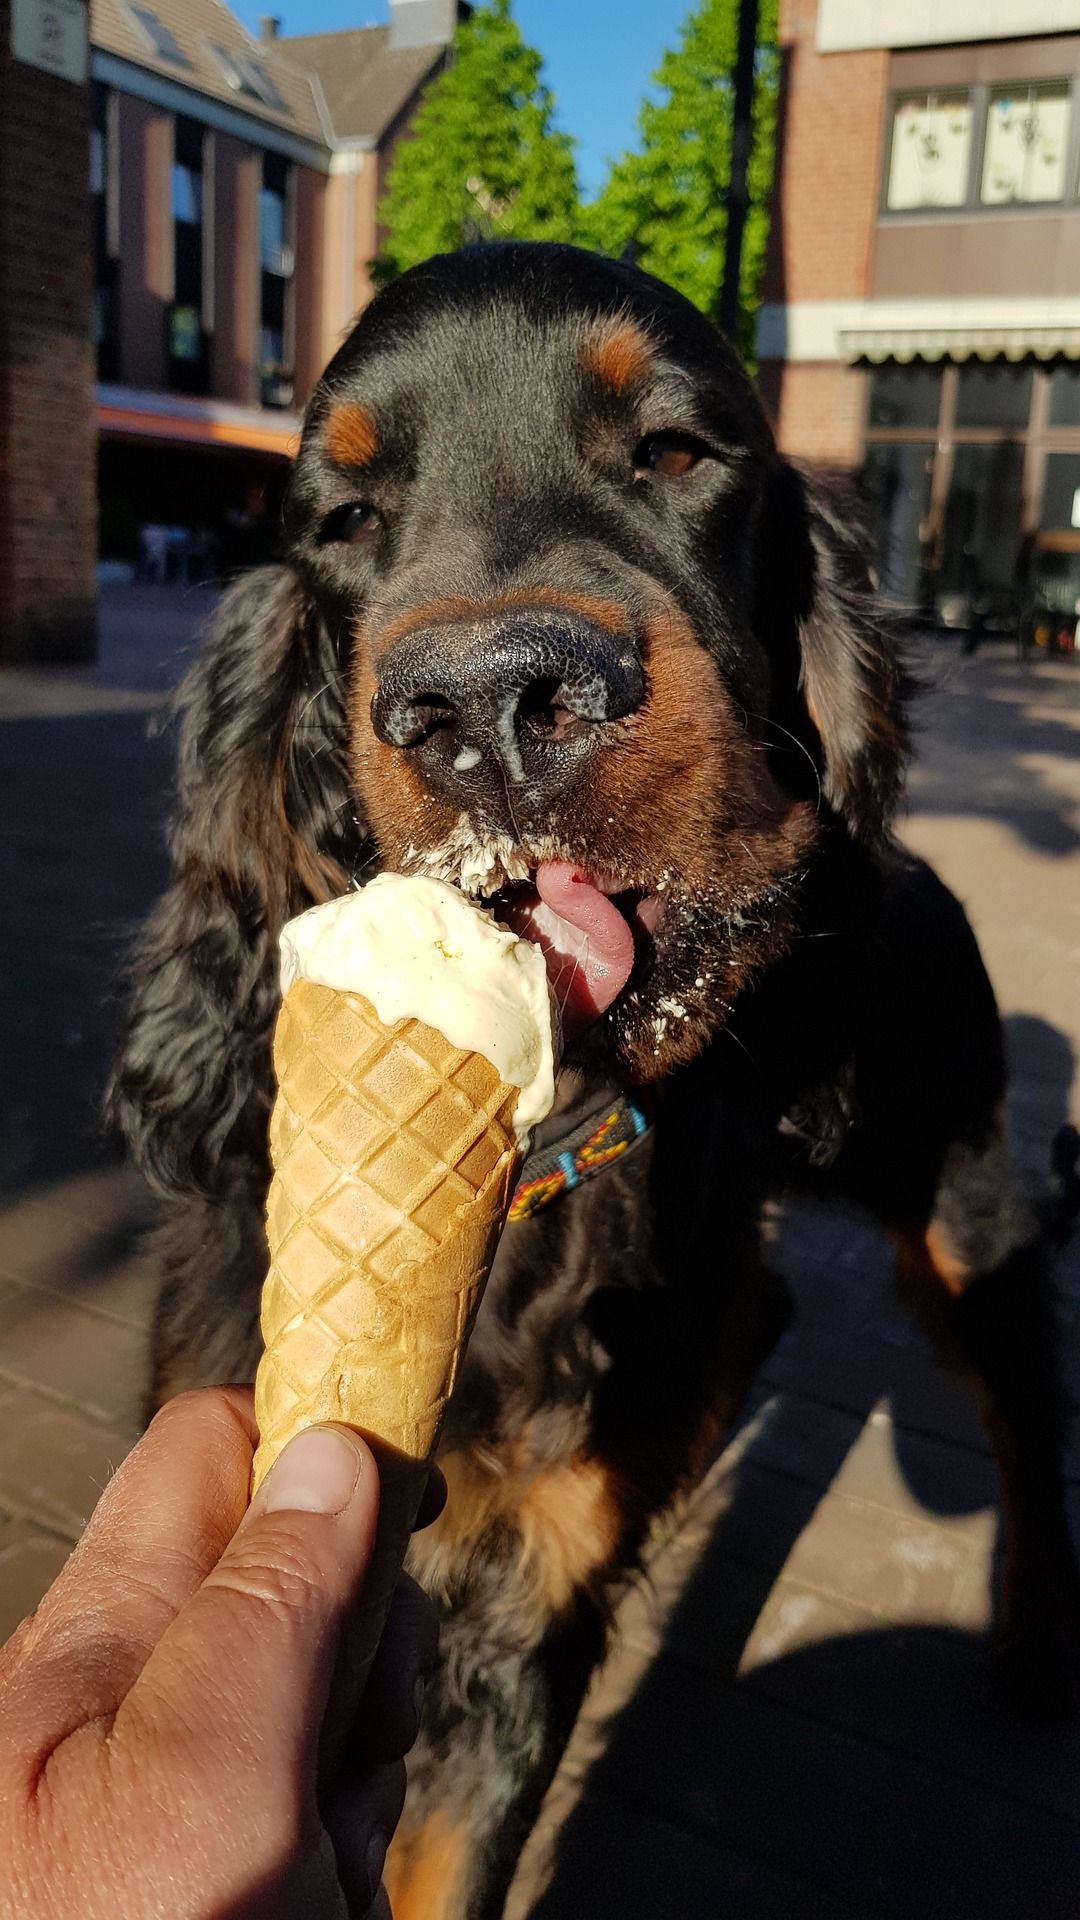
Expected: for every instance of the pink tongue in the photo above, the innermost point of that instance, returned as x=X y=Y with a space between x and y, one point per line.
x=587 y=944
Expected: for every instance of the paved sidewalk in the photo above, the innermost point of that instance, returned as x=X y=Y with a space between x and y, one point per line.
x=796 y=1722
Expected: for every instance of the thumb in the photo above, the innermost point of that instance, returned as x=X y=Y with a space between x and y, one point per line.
x=245 y=1668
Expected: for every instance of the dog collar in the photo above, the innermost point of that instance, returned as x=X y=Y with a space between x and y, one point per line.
x=595 y=1143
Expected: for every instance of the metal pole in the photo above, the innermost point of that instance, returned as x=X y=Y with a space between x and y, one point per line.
x=741 y=138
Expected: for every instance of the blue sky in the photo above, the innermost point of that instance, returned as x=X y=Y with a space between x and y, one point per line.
x=597 y=58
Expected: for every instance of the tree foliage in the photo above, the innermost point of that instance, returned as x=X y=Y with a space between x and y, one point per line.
x=664 y=207
x=483 y=160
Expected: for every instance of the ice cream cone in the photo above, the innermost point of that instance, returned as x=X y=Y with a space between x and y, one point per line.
x=394 y=1156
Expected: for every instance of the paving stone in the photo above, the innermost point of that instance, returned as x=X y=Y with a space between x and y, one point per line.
x=29 y=1563
x=949 y=1715
x=972 y=1603
x=71 y=1352
x=854 y=1372
x=795 y=1434
x=612 y=1861
x=108 y=1196
x=47 y=1134
x=44 y=1245
x=893 y=1565
x=55 y=1462
x=922 y=1478
x=889 y=1835
x=796 y=1616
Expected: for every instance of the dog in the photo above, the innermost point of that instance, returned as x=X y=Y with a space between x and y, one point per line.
x=558 y=624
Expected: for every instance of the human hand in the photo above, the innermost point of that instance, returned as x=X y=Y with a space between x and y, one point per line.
x=160 y=1712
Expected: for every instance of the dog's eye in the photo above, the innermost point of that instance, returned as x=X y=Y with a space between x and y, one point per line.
x=347 y=526
x=671 y=454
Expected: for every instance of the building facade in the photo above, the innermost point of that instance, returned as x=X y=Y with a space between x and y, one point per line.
x=922 y=305
x=234 y=187
x=47 y=441
x=160 y=333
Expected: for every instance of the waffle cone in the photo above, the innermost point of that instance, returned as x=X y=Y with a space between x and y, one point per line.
x=394 y=1158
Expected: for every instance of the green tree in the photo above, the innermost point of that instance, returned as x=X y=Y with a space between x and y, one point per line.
x=483 y=160
x=664 y=207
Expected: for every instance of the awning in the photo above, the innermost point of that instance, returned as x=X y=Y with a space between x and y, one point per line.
x=958 y=343
x=942 y=328
x=128 y=414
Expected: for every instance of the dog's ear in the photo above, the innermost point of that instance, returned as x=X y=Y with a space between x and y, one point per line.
x=263 y=825
x=840 y=684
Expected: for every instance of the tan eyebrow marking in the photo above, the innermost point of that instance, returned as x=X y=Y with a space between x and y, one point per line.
x=349 y=435
x=619 y=354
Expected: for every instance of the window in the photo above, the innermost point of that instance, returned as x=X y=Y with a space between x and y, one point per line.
x=905 y=396
x=1026 y=135
x=273 y=222
x=1061 y=493
x=97 y=159
x=896 y=483
x=982 y=521
x=185 y=334
x=995 y=395
x=245 y=75
x=1065 y=395
x=106 y=266
x=930 y=151
x=157 y=36
x=187 y=194
x=276 y=257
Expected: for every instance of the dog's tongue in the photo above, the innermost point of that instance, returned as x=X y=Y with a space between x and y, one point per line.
x=587 y=944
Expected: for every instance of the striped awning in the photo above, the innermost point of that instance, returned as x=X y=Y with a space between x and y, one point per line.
x=958 y=343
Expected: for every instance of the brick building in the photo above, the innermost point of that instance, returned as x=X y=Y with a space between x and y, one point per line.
x=221 y=254
x=922 y=303
x=47 y=510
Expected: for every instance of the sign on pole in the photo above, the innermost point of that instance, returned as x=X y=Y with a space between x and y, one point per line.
x=52 y=35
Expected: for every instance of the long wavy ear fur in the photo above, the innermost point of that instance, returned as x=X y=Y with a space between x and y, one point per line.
x=264 y=825
x=841 y=684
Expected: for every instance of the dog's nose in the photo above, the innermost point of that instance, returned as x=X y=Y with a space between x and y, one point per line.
x=529 y=694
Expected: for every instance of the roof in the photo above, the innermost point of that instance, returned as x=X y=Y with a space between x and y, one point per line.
x=365 y=82
x=201 y=45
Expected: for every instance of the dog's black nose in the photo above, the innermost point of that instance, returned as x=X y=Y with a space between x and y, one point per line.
x=527 y=693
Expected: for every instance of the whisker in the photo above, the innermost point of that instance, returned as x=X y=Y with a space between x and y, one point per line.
x=577 y=966
x=732 y=1035
x=766 y=721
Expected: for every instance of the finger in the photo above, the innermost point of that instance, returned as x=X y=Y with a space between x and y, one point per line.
x=160 y=1526
x=244 y=1672
x=172 y=1506
x=360 y=1819
x=388 y=1720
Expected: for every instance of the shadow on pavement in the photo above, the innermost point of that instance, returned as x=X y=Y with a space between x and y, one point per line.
x=865 y=1776
x=82 y=857
x=870 y=1771
x=987 y=749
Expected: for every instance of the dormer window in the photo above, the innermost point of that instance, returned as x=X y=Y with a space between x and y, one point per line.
x=245 y=75
x=159 y=40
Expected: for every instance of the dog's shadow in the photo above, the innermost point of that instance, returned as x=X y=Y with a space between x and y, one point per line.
x=814 y=1747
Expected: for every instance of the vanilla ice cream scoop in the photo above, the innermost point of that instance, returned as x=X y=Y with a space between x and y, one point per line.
x=417 y=949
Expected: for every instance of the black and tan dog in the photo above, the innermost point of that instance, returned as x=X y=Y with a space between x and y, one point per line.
x=558 y=623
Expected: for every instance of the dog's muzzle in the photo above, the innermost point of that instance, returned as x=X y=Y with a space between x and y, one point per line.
x=525 y=696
